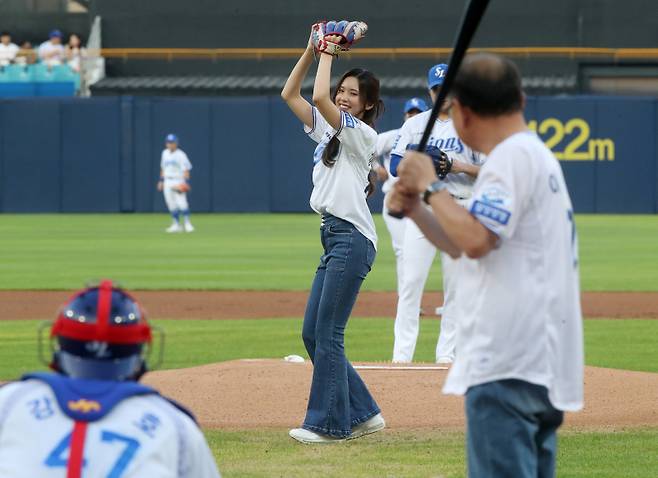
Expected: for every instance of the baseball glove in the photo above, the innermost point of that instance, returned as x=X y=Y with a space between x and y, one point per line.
x=442 y=162
x=183 y=188
x=335 y=37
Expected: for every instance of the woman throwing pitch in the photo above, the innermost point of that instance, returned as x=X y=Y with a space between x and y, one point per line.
x=339 y=406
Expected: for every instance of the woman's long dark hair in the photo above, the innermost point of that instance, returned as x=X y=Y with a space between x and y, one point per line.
x=369 y=94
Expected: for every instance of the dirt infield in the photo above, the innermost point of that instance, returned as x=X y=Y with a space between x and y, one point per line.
x=273 y=393
x=258 y=304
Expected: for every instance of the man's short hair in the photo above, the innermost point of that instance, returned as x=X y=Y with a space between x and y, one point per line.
x=490 y=85
x=5 y=34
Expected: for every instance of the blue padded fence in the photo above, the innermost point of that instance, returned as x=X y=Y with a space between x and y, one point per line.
x=250 y=154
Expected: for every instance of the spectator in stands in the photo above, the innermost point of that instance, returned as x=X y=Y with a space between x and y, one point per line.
x=51 y=52
x=26 y=55
x=8 y=49
x=74 y=52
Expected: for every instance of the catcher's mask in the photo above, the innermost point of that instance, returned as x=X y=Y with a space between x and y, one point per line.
x=100 y=333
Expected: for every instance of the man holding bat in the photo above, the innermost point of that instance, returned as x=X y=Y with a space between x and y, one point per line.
x=519 y=347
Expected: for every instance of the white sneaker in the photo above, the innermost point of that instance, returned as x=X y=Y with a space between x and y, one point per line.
x=175 y=227
x=307 y=436
x=189 y=227
x=438 y=310
x=372 y=425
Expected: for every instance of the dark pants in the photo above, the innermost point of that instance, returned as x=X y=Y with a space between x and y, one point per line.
x=511 y=430
x=338 y=399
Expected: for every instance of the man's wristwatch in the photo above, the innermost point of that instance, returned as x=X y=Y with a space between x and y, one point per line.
x=435 y=187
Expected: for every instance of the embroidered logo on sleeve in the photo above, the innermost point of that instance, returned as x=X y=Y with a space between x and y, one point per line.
x=493 y=203
x=350 y=121
x=489 y=211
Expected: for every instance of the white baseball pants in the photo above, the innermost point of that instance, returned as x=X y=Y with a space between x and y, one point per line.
x=445 y=348
x=396 y=228
x=418 y=254
x=175 y=201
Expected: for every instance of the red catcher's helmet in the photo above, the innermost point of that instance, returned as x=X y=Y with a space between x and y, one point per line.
x=101 y=333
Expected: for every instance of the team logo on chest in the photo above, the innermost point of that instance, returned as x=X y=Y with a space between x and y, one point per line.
x=451 y=143
x=84 y=406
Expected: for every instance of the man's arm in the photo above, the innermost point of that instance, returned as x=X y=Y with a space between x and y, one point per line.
x=471 y=169
x=466 y=232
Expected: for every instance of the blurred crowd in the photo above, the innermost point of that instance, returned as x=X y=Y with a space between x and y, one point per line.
x=51 y=52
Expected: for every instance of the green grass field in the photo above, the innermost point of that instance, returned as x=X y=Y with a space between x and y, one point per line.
x=280 y=252
x=419 y=453
x=260 y=251
x=635 y=342
x=424 y=454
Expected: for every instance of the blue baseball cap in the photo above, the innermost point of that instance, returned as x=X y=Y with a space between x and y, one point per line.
x=436 y=75
x=55 y=34
x=171 y=138
x=415 y=104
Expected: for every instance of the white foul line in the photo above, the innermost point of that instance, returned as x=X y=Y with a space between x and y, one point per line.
x=397 y=367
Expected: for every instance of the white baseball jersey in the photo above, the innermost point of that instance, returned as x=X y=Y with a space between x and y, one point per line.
x=8 y=52
x=142 y=436
x=49 y=48
x=524 y=318
x=385 y=142
x=341 y=189
x=445 y=138
x=174 y=165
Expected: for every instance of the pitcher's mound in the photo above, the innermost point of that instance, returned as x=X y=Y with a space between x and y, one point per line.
x=273 y=393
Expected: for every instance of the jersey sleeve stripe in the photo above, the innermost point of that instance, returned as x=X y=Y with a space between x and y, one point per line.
x=313 y=113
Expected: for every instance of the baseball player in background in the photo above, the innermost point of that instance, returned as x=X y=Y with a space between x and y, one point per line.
x=92 y=418
x=174 y=183
x=520 y=342
x=417 y=251
x=385 y=142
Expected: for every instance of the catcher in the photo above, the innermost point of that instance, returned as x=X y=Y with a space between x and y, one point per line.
x=92 y=418
x=458 y=166
x=174 y=183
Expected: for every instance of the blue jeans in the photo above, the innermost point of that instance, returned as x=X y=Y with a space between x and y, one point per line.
x=511 y=430
x=338 y=399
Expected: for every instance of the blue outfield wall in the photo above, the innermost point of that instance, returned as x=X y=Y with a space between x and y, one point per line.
x=250 y=155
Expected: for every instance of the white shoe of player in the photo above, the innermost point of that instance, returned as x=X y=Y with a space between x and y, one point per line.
x=189 y=227
x=307 y=436
x=372 y=425
x=175 y=227
x=439 y=310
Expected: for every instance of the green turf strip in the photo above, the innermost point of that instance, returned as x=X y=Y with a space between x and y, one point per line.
x=630 y=344
x=260 y=251
x=422 y=454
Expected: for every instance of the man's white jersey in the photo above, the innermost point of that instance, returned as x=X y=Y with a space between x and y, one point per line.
x=143 y=436
x=8 y=52
x=341 y=189
x=445 y=138
x=174 y=165
x=385 y=142
x=523 y=319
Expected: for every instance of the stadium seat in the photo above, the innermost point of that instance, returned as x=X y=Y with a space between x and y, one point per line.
x=18 y=73
x=65 y=73
x=41 y=73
